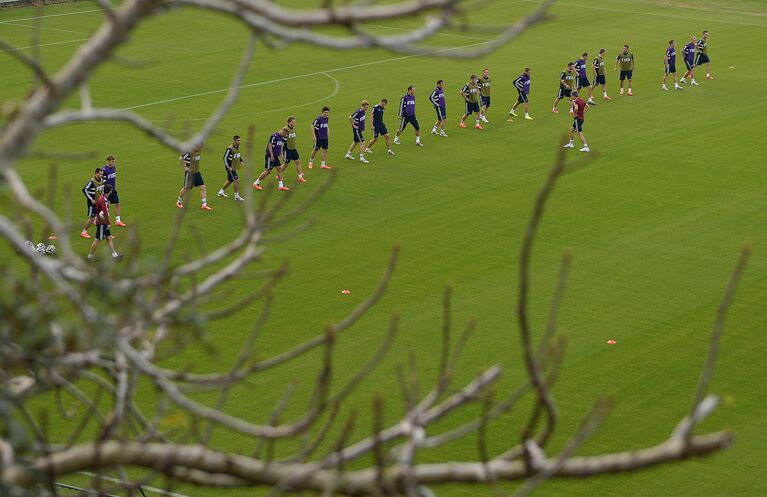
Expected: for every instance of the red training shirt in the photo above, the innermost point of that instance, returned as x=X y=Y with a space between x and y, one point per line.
x=102 y=206
x=580 y=107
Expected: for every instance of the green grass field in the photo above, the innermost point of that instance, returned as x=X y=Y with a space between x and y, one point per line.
x=654 y=223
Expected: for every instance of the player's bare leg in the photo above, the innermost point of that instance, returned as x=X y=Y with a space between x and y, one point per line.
x=630 y=94
x=221 y=191
x=280 y=178
x=261 y=177
x=204 y=199
x=387 y=139
x=368 y=147
x=180 y=201
x=324 y=158
x=88 y=223
x=477 y=118
x=554 y=107
x=94 y=246
x=299 y=171
x=708 y=71
x=418 y=138
x=463 y=120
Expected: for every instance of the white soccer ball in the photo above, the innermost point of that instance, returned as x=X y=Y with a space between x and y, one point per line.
x=50 y=249
x=40 y=248
x=30 y=245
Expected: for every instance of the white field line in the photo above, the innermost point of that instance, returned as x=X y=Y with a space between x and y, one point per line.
x=453 y=35
x=43 y=45
x=654 y=14
x=299 y=76
x=45 y=28
x=53 y=15
x=281 y=109
x=116 y=480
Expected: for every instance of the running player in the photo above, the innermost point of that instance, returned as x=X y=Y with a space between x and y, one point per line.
x=669 y=62
x=437 y=99
x=357 y=120
x=522 y=84
x=702 y=55
x=291 y=152
x=274 y=152
x=470 y=93
x=407 y=116
x=321 y=136
x=599 y=73
x=689 y=61
x=379 y=128
x=626 y=61
x=110 y=178
x=90 y=190
x=232 y=162
x=484 y=94
x=583 y=79
x=567 y=80
x=580 y=107
x=190 y=161
x=102 y=225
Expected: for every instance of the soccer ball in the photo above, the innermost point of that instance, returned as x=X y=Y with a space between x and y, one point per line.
x=40 y=248
x=50 y=249
x=30 y=245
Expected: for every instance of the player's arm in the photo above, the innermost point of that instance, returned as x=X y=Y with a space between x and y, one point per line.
x=228 y=158
x=617 y=59
x=351 y=121
x=464 y=93
x=314 y=131
x=185 y=160
x=270 y=149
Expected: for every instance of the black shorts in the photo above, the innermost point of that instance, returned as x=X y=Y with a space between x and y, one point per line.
x=600 y=79
x=578 y=125
x=102 y=232
x=192 y=179
x=689 y=65
x=522 y=98
x=358 y=138
x=671 y=69
x=271 y=164
x=409 y=120
x=113 y=197
x=380 y=130
x=626 y=74
x=485 y=100
x=441 y=114
x=291 y=155
x=701 y=59
x=564 y=92
x=583 y=82
x=472 y=107
x=321 y=143
x=91 y=208
x=231 y=174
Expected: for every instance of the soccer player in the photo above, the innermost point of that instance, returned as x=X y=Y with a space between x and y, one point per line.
x=232 y=162
x=90 y=190
x=599 y=73
x=110 y=177
x=522 y=84
x=626 y=61
x=669 y=61
x=102 y=224
x=321 y=136
x=357 y=120
x=437 y=99
x=407 y=116
x=274 y=152
x=379 y=128
x=702 y=55
x=580 y=107
x=583 y=79
x=470 y=94
x=567 y=80
x=190 y=161
x=291 y=152
x=484 y=91
x=689 y=61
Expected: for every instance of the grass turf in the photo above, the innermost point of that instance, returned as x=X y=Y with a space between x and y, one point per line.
x=654 y=223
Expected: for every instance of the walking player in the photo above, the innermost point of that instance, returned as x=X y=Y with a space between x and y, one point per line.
x=702 y=55
x=291 y=152
x=689 y=61
x=579 y=109
x=599 y=73
x=407 y=116
x=437 y=99
x=669 y=62
x=232 y=163
x=522 y=84
x=626 y=61
x=379 y=128
x=90 y=190
x=357 y=120
x=272 y=158
x=321 y=136
x=110 y=178
x=484 y=94
x=470 y=94
x=190 y=161
x=102 y=225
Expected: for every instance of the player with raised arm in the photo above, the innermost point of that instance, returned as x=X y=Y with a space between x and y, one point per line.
x=407 y=116
x=669 y=62
x=274 y=152
x=90 y=190
x=232 y=162
x=379 y=128
x=357 y=120
x=522 y=84
x=102 y=224
x=689 y=61
x=321 y=137
x=190 y=161
x=437 y=99
x=110 y=178
x=599 y=73
x=470 y=93
x=702 y=56
x=484 y=94
x=567 y=79
x=583 y=79
x=291 y=151
x=579 y=106
x=626 y=61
